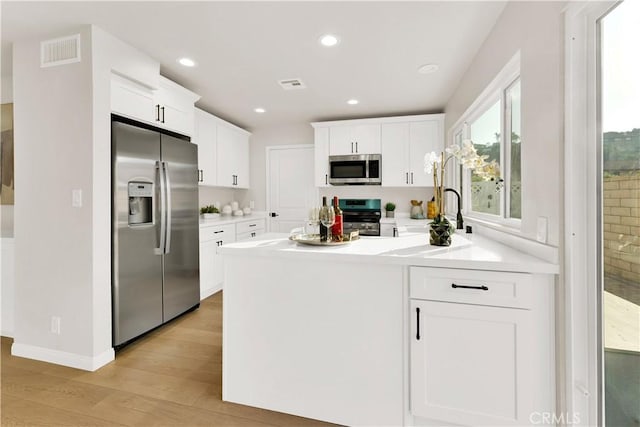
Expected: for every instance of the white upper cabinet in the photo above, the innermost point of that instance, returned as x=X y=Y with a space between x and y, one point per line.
x=321 y=145
x=354 y=139
x=205 y=136
x=404 y=146
x=174 y=108
x=223 y=152
x=402 y=141
x=131 y=99
x=170 y=106
x=232 y=156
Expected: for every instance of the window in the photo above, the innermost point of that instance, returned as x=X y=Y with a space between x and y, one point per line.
x=493 y=124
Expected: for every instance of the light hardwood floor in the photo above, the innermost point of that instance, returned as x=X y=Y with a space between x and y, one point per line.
x=171 y=377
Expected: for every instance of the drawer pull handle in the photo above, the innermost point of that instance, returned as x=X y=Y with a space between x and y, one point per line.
x=418 y=323
x=219 y=231
x=481 y=288
x=253 y=225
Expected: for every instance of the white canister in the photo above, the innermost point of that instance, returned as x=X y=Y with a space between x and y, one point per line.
x=234 y=206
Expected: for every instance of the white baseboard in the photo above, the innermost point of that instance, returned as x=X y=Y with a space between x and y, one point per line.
x=57 y=357
x=206 y=293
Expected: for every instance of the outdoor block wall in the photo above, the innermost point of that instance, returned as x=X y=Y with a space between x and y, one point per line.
x=622 y=227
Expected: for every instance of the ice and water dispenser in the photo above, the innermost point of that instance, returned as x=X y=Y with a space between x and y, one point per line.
x=140 y=203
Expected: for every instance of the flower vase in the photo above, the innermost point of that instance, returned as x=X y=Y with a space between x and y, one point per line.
x=440 y=231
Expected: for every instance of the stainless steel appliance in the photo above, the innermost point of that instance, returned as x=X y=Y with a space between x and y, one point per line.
x=355 y=169
x=362 y=215
x=155 y=271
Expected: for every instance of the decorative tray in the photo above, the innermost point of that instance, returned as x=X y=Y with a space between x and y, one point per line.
x=314 y=239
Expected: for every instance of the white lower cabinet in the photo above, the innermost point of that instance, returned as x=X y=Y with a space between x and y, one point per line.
x=472 y=347
x=250 y=229
x=211 y=265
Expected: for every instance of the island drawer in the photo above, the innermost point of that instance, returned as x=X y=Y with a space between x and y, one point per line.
x=220 y=232
x=249 y=226
x=249 y=235
x=491 y=288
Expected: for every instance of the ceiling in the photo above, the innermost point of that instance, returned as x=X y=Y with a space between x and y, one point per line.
x=243 y=48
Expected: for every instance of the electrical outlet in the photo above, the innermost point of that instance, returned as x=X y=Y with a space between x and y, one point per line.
x=55 y=325
x=541 y=230
x=76 y=198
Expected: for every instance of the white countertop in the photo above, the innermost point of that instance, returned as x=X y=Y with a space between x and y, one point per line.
x=466 y=252
x=229 y=219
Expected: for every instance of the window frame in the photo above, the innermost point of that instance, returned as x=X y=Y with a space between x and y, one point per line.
x=496 y=91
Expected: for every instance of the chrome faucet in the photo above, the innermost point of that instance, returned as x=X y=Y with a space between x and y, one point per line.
x=459 y=220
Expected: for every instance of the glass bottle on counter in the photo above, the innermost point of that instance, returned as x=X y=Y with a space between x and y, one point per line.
x=337 y=228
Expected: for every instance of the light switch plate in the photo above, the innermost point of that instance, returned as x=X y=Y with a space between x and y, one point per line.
x=541 y=229
x=76 y=198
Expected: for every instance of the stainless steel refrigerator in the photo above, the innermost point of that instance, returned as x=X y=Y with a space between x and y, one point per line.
x=155 y=271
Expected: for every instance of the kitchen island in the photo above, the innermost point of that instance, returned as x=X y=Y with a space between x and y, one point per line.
x=389 y=331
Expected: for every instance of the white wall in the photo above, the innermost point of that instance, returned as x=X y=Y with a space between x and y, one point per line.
x=63 y=254
x=53 y=240
x=6 y=89
x=536 y=29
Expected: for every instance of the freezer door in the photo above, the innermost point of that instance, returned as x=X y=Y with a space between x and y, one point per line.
x=181 y=260
x=137 y=264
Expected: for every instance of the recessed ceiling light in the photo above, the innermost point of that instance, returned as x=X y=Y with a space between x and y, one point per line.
x=187 y=62
x=259 y=110
x=428 y=68
x=353 y=102
x=329 y=40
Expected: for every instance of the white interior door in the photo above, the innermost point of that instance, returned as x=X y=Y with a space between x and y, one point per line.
x=291 y=190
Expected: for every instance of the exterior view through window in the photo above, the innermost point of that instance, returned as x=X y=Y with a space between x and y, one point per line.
x=620 y=198
x=496 y=134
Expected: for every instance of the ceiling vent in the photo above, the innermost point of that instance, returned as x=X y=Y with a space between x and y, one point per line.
x=64 y=50
x=292 y=84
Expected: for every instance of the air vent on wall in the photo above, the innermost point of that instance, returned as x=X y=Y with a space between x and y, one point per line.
x=64 y=50
x=291 y=84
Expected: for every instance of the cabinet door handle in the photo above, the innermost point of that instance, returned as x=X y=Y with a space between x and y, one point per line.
x=253 y=234
x=162 y=108
x=480 y=288
x=418 y=323
x=326 y=179
x=407 y=177
x=157 y=112
x=356 y=146
x=412 y=177
x=200 y=175
x=352 y=148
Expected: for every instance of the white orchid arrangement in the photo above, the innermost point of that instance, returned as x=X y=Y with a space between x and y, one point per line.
x=468 y=158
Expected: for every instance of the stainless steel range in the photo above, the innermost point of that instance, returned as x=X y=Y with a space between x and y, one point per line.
x=362 y=215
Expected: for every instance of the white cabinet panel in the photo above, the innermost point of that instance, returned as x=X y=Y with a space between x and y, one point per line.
x=395 y=154
x=131 y=100
x=205 y=136
x=321 y=146
x=169 y=107
x=424 y=137
x=354 y=139
x=233 y=157
x=471 y=364
x=211 y=265
x=404 y=146
x=175 y=107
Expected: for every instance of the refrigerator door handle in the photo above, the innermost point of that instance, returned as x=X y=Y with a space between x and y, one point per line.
x=160 y=249
x=167 y=227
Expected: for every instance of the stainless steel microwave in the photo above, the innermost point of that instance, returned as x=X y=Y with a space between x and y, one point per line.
x=355 y=169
